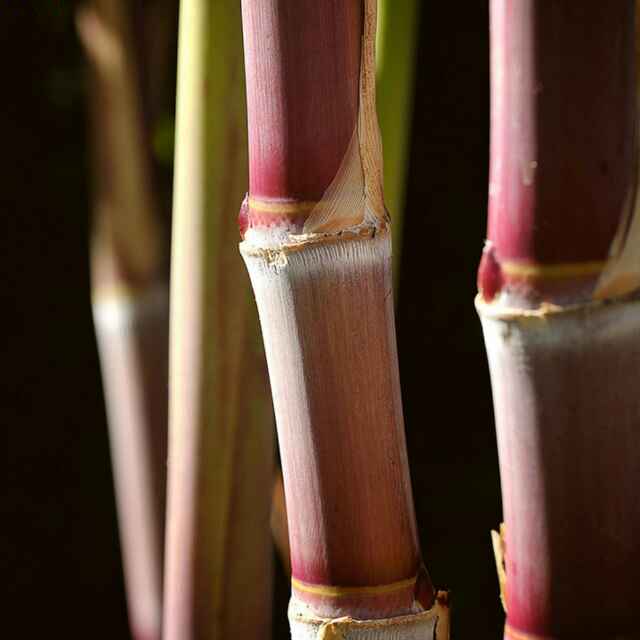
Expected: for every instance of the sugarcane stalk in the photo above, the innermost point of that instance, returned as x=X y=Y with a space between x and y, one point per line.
x=561 y=316
x=130 y=304
x=218 y=547
x=316 y=242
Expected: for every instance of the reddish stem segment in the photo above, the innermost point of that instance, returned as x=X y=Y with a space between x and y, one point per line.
x=302 y=62
x=562 y=141
x=327 y=321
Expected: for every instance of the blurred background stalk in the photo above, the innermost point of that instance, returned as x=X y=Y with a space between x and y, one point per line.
x=396 y=45
x=218 y=548
x=129 y=301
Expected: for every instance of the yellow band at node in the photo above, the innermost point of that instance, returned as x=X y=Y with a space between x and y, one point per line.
x=510 y=632
x=296 y=208
x=331 y=591
x=556 y=271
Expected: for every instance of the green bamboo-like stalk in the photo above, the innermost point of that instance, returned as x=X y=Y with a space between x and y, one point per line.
x=395 y=70
x=130 y=303
x=218 y=552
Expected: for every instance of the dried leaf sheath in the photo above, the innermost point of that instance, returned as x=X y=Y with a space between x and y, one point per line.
x=218 y=548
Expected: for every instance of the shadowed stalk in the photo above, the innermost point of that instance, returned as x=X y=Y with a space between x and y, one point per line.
x=279 y=528
x=218 y=547
x=130 y=304
x=559 y=281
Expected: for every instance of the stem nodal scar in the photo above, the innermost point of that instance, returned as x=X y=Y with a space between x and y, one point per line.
x=286 y=208
x=333 y=591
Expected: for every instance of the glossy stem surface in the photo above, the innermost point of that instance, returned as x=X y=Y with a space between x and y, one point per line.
x=302 y=62
x=562 y=142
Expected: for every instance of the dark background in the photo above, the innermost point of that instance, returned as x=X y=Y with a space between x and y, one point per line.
x=58 y=541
